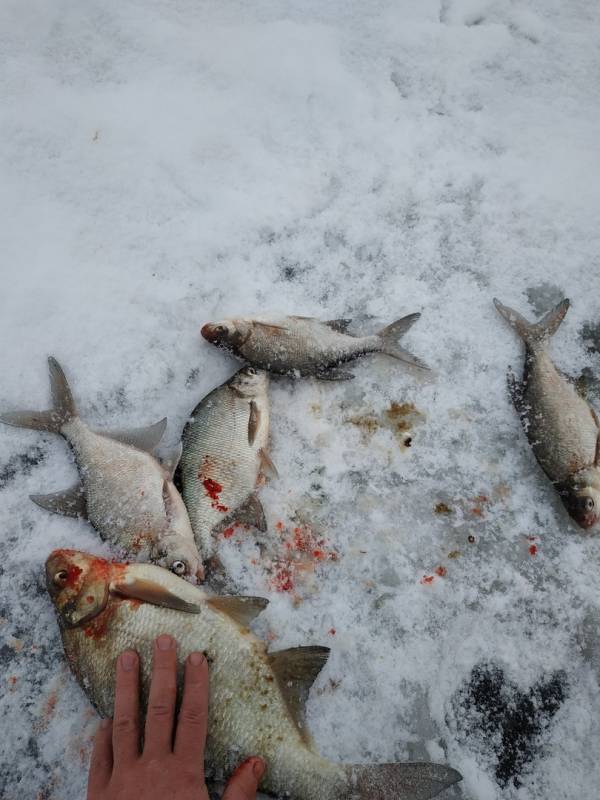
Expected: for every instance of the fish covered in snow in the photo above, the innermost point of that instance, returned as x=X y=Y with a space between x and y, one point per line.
x=124 y=491
x=562 y=428
x=225 y=457
x=300 y=346
x=256 y=703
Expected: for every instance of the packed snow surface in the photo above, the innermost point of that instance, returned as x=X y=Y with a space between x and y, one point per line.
x=166 y=163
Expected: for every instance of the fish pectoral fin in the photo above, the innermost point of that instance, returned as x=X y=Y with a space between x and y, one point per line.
x=339 y=325
x=252 y=513
x=170 y=459
x=149 y=591
x=70 y=502
x=253 y=422
x=296 y=670
x=597 y=458
x=515 y=389
x=146 y=438
x=267 y=467
x=269 y=327
x=334 y=374
x=241 y=609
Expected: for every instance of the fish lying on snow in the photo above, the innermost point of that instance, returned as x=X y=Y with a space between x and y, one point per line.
x=306 y=346
x=562 y=428
x=225 y=457
x=256 y=698
x=125 y=492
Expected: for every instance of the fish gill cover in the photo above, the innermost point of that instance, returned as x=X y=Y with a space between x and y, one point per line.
x=169 y=163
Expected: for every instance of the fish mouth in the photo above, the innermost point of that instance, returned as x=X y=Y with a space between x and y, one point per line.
x=211 y=333
x=587 y=521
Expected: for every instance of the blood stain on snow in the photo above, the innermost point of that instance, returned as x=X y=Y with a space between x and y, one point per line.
x=426 y=580
x=441 y=571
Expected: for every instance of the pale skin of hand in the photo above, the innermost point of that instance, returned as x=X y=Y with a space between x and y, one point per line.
x=171 y=765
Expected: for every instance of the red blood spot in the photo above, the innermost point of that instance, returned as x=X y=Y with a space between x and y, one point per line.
x=90 y=598
x=332 y=631
x=280 y=526
x=441 y=571
x=283 y=579
x=12 y=680
x=532 y=550
x=213 y=489
x=426 y=579
x=228 y=533
x=73 y=573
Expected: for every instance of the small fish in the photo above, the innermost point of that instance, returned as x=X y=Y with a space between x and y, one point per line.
x=225 y=457
x=562 y=428
x=306 y=346
x=126 y=493
x=257 y=699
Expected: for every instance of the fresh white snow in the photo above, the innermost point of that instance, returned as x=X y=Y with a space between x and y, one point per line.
x=166 y=163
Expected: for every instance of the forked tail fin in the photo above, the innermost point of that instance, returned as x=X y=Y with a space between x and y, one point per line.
x=54 y=419
x=389 y=341
x=409 y=781
x=534 y=333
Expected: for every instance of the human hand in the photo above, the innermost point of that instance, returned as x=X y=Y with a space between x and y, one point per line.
x=171 y=766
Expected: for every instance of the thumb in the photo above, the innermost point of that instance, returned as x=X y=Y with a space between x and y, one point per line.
x=243 y=784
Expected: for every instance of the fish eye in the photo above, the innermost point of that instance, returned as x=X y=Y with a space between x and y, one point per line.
x=250 y=370
x=60 y=579
x=220 y=329
x=589 y=504
x=179 y=567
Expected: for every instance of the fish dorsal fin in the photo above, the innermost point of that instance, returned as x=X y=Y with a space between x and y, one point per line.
x=70 y=502
x=141 y=438
x=149 y=591
x=272 y=328
x=253 y=422
x=241 y=609
x=296 y=670
x=339 y=325
x=267 y=467
x=169 y=459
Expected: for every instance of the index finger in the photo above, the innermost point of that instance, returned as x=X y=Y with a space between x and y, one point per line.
x=191 y=724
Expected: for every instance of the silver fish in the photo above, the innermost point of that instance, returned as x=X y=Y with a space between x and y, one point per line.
x=126 y=493
x=225 y=457
x=306 y=346
x=256 y=703
x=562 y=428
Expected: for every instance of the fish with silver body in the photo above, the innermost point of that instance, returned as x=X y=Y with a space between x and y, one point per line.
x=225 y=458
x=124 y=491
x=562 y=428
x=299 y=346
x=257 y=698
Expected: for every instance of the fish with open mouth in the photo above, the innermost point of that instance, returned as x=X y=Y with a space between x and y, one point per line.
x=562 y=428
x=124 y=491
x=225 y=457
x=256 y=702
x=299 y=346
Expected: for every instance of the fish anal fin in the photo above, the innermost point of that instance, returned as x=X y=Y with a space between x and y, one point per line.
x=153 y=592
x=252 y=513
x=70 y=502
x=339 y=325
x=296 y=670
x=253 y=422
x=267 y=467
x=242 y=610
x=334 y=374
x=146 y=438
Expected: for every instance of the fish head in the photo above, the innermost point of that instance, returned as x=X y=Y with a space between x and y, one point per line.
x=229 y=333
x=78 y=585
x=180 y=556
x=582 y=498
x=250 y=382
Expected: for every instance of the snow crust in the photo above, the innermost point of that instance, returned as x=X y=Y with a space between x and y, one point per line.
x=168 y=162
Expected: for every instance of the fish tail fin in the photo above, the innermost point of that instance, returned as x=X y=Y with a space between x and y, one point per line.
x=410 y=781
x=53 y=420
x=534 y=333
x=389 y=341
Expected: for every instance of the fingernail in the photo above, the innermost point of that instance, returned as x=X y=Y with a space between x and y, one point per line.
x=128 y=660
x=196 y=659
x=258 y=768
x=164 y=642
x=105 y=723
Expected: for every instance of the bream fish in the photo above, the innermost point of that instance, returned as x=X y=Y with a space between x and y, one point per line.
x=300 y=346
x=562 y=428
x=256 y=698
x=124 y=491
x=225 y=458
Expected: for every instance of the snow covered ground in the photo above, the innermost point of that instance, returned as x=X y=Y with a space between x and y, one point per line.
x=169 y=162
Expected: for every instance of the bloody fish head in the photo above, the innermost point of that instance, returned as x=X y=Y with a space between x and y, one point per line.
x=230 y=334
x=582 y=500
x=217 y=332
x=78 y=585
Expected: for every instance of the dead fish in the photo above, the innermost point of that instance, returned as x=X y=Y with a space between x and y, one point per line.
x=562 y=428
x=225 y=457
x=306 y=346
x=256 y=704
x=126 y=493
